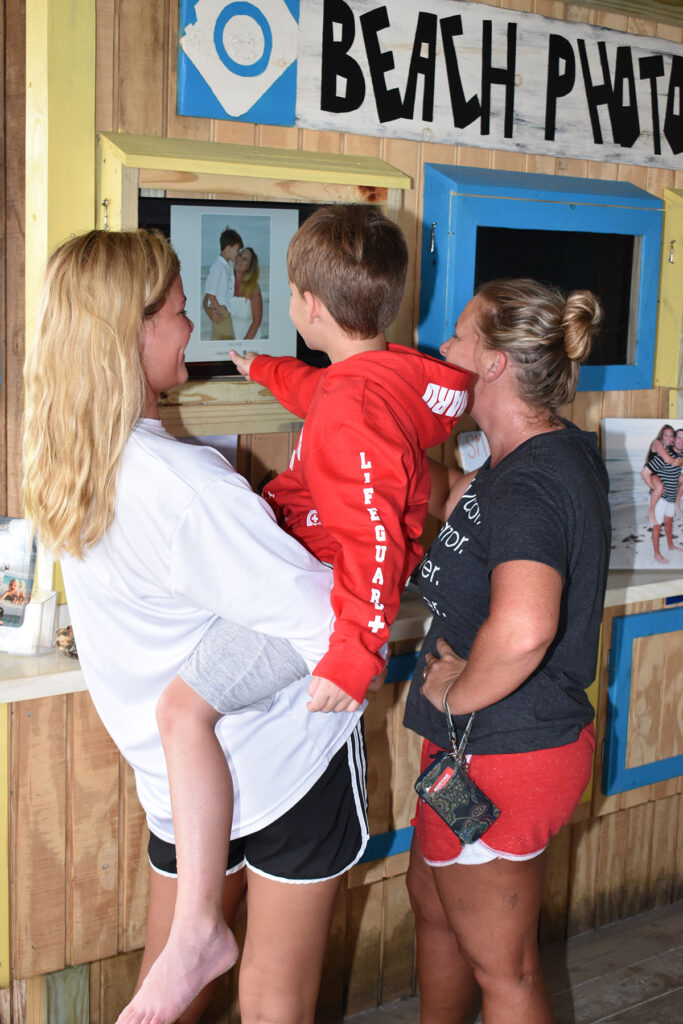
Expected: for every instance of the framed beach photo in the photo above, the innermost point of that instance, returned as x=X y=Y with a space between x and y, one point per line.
x=195 y=233
x=644 y=459
x=195 y=226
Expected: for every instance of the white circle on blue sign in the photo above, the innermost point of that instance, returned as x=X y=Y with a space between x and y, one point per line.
x=242 y=28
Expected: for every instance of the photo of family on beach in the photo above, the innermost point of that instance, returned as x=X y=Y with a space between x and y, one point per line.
x=644 y=460
x=234 y=261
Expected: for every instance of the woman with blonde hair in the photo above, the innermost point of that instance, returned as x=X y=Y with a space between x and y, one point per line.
x=515 y=580
x=159 y=541
x=247 y=303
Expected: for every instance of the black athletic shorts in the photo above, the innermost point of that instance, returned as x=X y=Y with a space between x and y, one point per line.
x=322 y=836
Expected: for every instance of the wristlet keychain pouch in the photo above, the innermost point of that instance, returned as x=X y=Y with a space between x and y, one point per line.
x=446 y=786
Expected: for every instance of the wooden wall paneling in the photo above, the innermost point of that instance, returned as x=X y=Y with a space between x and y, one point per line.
x=553 y=924
x=659 y=178
x=677 y=887
x=406 y=764
x=616 y=403
x=363 y=945
x=405 y=156
x=94 y=767
x=540 y=164
x=669 y=733
x=142 y=67
x=607 y=19
x=106 y=79
x=602 y=170
x=645 y=404
x=637 y=859
x=38 y=835
x=274 y=135
x=633 y=173
x=240 y=133
x=177 y=126
x=471 y=156
x=332 y=995
x=398 y=938
x=270 y=453
x=12 y=325
x=584 y=857
x=133 y=863
x=663 y=856
x=550 y=9
x=609 y=868
x=67 y=995
x=644 y=704
x=587 y=410
x=642 y=26
x=506 y=160
x=357 y=145
x=36 y=1006
x=112 y=985
x=320 y=142
x=378 y=736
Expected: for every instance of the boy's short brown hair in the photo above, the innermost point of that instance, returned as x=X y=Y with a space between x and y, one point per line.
x=230 y=237
x=354 y=259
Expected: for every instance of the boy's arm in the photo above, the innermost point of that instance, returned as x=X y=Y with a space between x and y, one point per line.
x=290 y=380
x=359 y=483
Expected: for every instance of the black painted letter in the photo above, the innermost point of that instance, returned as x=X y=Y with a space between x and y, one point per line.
x=499 y=76
x=560 y=83
x=673 y=121
x=389 y=105
x=425 y=35
x=464 y=111
x=336 y=62
x=653 y=68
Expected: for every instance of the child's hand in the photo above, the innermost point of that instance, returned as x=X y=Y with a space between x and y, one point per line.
x=327 y=696
x=243 y=362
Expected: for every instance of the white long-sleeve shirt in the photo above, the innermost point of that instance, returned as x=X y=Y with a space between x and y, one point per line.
x=191 y=541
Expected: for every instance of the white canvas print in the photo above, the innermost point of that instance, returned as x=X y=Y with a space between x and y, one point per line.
x=265 y=232
x=644 y=460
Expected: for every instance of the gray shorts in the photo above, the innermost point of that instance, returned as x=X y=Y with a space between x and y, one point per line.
x=237 y=669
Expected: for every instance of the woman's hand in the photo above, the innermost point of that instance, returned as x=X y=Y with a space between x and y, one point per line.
x=441 y=671
x=377 y=682
x=243 y=363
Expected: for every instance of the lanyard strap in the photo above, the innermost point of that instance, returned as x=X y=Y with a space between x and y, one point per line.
x=458 y=748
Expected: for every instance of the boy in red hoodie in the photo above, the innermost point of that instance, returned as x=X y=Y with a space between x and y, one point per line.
x=355 y=494
x=356 y=490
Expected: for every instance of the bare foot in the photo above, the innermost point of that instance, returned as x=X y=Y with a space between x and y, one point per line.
x=185 y=965
x=675 y=547
x=660 y=558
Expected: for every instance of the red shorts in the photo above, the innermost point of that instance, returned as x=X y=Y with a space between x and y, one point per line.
x=535 y=792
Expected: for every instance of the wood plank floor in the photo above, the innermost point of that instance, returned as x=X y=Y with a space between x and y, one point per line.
x=625 y=973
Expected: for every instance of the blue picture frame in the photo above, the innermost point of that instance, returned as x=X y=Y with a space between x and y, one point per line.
x=616 y=777
x=459 y=200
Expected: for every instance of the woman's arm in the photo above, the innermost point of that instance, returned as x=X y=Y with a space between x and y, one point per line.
x=522 y=622
x=672 y=460
x=256 y=300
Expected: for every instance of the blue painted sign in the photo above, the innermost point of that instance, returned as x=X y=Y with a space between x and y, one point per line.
x=238 y=60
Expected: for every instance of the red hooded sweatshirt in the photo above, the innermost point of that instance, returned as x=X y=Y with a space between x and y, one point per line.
x=356 y=490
